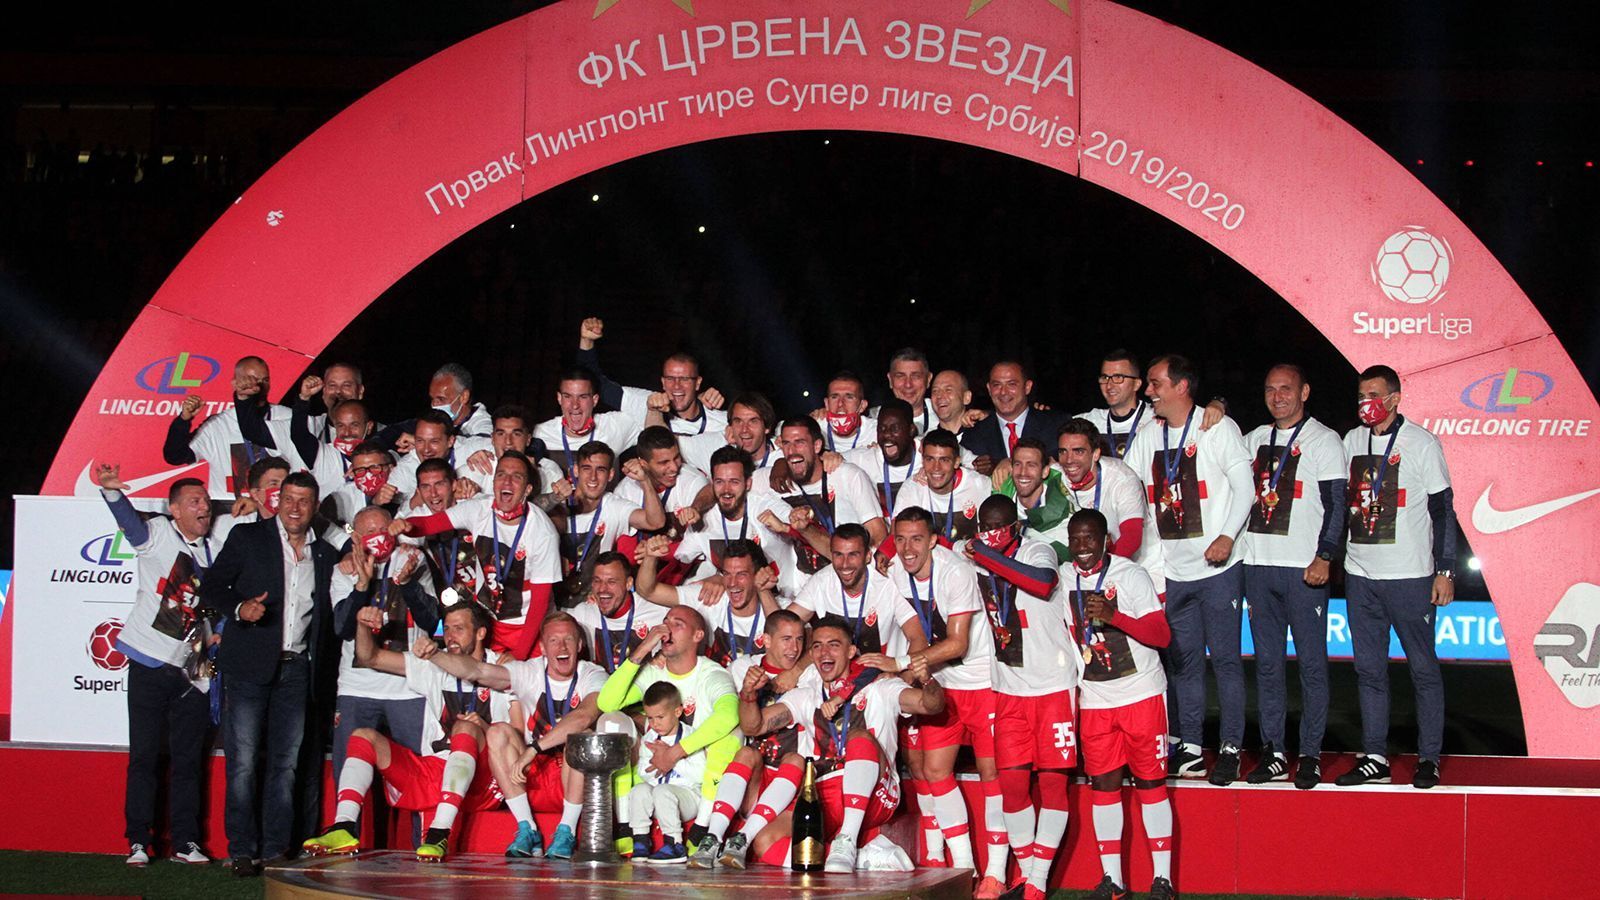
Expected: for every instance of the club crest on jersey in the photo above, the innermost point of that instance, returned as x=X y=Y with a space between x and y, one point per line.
x=861 y=702
x=872 y=617
x=483 y=695
x=1189 y=449
x=574 y=701
x=641 y=631
x=970 y=512
x=522 y=553
x=688 y=710
x=831 y=492
x=1111 y=592
x=761 y=641
x=600 y=530
x=1394 y=460
x=1295 y=450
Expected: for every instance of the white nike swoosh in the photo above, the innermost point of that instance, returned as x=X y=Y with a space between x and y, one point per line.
x=88 y=487
x=1489 y=520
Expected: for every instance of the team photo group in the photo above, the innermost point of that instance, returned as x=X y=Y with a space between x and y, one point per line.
x=856 y=604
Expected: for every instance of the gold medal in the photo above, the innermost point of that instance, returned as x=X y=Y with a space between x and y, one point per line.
x=1088 y=656
x=1003 y=636
x=1269 y=499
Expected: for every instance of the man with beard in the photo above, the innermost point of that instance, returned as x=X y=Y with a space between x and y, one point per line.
x=395 y=580
x=948 y=491
x=756 y=765
x=615 y=620
x=1040 y=493
x=348 y=424
x=996 y=437
x=557 y=695
x=848 y=721
x=514 y=560
x=687 y=409
x=446 y=776
x=448 y=550
x=892 y=460
x=1034 y=680
x=1118 y=626
x=741 y=514
x=736 y=617
x=821 y=498
x=594 y=518
x=163 y=637
x=232 y=440
x=1199 y=481
x=751 y=421
x=852 y=590
x=1095 y=481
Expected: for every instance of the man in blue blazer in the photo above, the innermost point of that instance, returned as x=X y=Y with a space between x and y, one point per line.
x=270 y=583
x=1013 y=418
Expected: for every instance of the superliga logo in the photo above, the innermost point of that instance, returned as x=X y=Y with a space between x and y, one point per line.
x=1412 y=267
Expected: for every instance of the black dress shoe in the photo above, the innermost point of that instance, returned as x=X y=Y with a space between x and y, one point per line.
x=245 y=867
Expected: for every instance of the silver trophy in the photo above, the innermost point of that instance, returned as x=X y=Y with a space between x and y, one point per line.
x=598 y=755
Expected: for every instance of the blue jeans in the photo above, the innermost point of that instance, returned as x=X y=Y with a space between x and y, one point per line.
x=1405 y=604
x=265 y=724
x=1281 y=601
x=1205 y=614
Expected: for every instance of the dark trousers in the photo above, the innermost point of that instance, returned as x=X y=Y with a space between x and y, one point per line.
x=1406 y=605
x=1205 y=614
x=265 y=727
x=1281 y=602
x=163 y=700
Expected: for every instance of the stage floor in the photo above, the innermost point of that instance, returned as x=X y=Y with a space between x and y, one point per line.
x=396 y=873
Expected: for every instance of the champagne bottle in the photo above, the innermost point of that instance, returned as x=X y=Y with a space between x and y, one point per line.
x=806 y=842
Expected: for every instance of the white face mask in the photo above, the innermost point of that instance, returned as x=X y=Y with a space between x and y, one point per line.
x=448 y=409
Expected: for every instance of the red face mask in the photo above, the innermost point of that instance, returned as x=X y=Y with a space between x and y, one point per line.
x=371 y=481
x=379 y=545
x=997 y=540
x=345 y=446
x=504 y=516
x=844 y=424
x=1371 y=411
x=269 y=500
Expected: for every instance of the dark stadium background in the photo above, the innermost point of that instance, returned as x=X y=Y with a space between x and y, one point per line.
x=125 y=130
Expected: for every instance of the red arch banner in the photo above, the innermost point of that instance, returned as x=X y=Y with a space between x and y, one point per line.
x=1086 y=87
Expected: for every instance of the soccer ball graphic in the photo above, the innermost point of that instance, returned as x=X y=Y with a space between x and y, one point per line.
x=103 y=646
x=1412 y=266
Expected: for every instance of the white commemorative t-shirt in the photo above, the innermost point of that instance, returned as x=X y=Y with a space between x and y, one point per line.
x=618 y=634
x=636 y=404
x=445 y=697
x=706 y=540
x=1286 y=517
x=1116 y=432
x=955 y=514
x=1391 y=529
x=871 y=613
x=533 y=559
x=404 y=474
x=679 y=496
x=1191 y=511
x=331 y=469
x=545 y=700
x=887 y=480
x=615 y=429
x=219 y=443
x=399 y=632
x=1033 y=653
x=843 y=496
x=874 y=706
x=733 y=635
x=170 y=568
x=1118 y=670
x=1117 y=493
x=953 y=591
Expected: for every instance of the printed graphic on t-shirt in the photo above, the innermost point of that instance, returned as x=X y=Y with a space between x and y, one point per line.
x=830 y=752
x=1372 y=515
x=1107 y=655
x=500 y=593
x=821 y=502
x=471 y=698
x=1177 y=504
x=1273 y=506
x=179 y=592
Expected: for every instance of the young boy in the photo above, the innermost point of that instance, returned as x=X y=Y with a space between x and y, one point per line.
x=672 y=796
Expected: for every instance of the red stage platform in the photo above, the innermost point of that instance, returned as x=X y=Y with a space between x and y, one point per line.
x=1469 y=838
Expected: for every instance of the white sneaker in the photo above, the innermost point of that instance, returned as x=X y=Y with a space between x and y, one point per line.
x=841 y=857
x=192 y=854
x=137 y=855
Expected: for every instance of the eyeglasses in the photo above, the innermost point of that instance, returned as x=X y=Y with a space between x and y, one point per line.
x=362 y=470
x=1117 y=378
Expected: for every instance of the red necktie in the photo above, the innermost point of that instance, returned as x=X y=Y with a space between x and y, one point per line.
x=1011 y=439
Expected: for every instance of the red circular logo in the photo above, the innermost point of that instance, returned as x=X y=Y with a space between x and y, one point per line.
x=103 y=646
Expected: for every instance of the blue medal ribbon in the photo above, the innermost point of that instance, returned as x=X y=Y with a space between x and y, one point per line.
x=1172 y=462
x=924 y=615
x=1288 y=448
x=1133 y=429
x=820 y=509
x=502 y=565
x=551 y=717
x=613 y=657
x=1088 y=626
x=746 y=647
